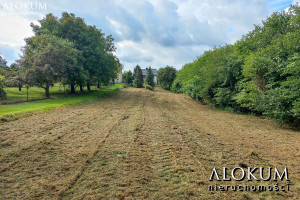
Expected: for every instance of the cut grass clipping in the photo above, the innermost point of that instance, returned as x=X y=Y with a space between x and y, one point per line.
x=12 y=111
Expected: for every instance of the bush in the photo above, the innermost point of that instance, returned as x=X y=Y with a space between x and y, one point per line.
x=224 y=97
x=137 y=83
x=166 y=77
x=2 y=85
x=149 y=87
x=177 y=86
x=149 y=79
x=259 y=73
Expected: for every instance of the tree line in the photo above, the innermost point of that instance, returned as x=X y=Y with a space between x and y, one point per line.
x=260 y=73
x=65 y=50
x=137 y=80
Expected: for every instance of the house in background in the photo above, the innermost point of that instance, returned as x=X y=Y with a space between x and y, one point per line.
x=144 y=72
x=118 y=79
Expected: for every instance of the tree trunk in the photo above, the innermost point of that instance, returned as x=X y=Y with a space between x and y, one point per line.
x=47 y=90
x=81 y=88
x=20 y=87
x=98 y=85
x=27 y=92
x=72 y=89
x=88 y=86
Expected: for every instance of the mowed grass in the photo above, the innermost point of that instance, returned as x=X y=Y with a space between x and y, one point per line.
x=34 y=93
x=58 y=98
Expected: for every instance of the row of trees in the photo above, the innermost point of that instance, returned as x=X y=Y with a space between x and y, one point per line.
x=136 y=79
x=66 y=50
x=3 y=71
x=259 y=73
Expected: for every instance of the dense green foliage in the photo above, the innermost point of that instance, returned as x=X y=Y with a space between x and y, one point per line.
x=56 y=59
x=128 y=77
x=69 y=51
x=138 y=77
x=2 y=85
x=149 y=87
x=149 y=79
x=3 y=71
x=259 y=73
x=166 y=77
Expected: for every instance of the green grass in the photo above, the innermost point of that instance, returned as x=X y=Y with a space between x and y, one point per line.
x=10 y=111
x=14 y=95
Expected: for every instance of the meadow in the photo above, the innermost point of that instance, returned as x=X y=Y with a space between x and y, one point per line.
x=141 y=144
x=16 y=100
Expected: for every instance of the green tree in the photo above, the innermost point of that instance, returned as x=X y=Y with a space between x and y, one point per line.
x=15 y=76
x=3 y=62
x=128 y=77
x=149 y=79
x=98 y=62
x=259 y=73
x=54 y=59
x=2 y=86
x=138 y=77
x=166 y=76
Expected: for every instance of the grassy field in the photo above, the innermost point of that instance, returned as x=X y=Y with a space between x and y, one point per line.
x=58 y=98
x=34 y=93
x=141 y=144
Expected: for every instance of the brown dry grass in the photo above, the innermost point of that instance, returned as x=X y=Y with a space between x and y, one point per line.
x=139 y=144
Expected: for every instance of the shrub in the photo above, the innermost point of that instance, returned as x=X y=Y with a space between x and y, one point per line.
x=148 y=87
x=259 y=73
x=137 y=83
x=166 y=77
x=224 y=97
x=2 y=86
x=177 y=86
x=149 y=79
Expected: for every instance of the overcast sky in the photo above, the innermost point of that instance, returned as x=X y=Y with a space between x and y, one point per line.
x=146 y=32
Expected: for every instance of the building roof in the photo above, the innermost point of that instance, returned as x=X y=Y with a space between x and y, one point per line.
x=144 y=72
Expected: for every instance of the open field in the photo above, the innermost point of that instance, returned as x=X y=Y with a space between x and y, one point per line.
x=35 y=93
x=140 y=144
x=13 y=110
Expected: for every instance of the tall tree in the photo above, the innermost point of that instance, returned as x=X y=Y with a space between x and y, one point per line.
x=138 y=77
x=149 y=79
x=54 y=59
x=3 y=62
x=2 y=86
x=128 y=77
x=166 y=76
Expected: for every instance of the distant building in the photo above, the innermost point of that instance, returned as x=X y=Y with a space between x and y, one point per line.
x=144 y=72
x=119 y=78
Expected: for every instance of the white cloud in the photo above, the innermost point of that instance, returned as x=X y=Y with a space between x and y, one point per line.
x=155 y=32
x=177 y=31
x=13 y=30
x=15 y=19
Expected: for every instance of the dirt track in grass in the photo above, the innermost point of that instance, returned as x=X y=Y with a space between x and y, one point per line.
x=140 y=144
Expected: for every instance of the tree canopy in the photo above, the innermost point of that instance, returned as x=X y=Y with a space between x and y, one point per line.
x=166 y=76
x=138 y=77
x=259 y=73
x=149 y=79
x=69 y=51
